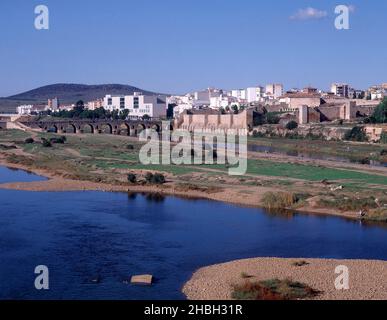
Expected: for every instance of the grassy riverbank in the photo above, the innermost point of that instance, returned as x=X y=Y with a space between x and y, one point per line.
x=318 y=186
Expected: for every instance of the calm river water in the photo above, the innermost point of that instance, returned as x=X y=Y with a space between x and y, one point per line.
x=83 y=236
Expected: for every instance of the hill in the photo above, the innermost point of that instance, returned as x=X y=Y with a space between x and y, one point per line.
x=67 y=93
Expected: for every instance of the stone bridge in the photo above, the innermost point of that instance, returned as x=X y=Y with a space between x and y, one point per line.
x=131 y=127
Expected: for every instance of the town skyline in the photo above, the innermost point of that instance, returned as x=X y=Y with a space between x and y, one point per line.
x=294 y=43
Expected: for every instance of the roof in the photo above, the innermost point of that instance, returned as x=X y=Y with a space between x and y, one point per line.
x=300 y=95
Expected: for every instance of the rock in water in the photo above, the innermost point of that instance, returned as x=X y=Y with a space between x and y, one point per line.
x=145 y=279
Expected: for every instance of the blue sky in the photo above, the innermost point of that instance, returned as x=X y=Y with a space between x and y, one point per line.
x=176 y=46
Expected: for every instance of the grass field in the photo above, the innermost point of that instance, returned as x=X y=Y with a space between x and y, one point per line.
x=108 y=158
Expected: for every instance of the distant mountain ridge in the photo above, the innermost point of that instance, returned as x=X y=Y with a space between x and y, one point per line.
x=67 y=93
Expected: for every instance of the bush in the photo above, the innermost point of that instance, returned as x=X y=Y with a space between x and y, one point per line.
x=132 y=178
x=344 y=203
x=46 y=143
x=356 y=134
x=273 y=289
x=60 y=140
x=278 y=200
x=383 y=138
x=149 y=177
x=380 y=112
x=29 y=140
x=300 y=263
x=272 y=118
x=291 y=125
x=156 y=178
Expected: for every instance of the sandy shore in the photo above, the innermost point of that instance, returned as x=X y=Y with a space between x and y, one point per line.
x=367 y=278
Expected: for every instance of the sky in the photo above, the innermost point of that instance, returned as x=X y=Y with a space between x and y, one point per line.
x=177 y=46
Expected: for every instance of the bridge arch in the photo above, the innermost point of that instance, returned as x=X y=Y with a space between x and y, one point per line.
x=106 y=128
x=155 y=127
x=50 y=128
x=123 y=129
x=86 y=128
x=69 y=128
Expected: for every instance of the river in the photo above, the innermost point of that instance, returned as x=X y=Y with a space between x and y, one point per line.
x=84 y=236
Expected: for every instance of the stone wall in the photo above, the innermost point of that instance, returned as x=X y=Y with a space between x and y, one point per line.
x=310 y=130
x=229 y=123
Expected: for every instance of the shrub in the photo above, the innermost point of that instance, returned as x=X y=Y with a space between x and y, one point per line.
x=132 y=178
x=344 y=203
x=245 y=275
x=278 y=200
x=356 y=134
x=300 y=263
x=149 y=177
x=258 y=134
x=46 y=143
x=383 y=138
x=291 y=125
x=60 y=140
x=380 y=112
x=272 y=118
x=29 y=140
x=273 y=289
x=156 y=178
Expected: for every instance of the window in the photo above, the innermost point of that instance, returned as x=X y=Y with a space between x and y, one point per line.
x=110 y=101
x=122 y=103
x=135 y=103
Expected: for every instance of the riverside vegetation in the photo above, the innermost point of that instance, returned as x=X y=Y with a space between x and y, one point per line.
x=270 y=181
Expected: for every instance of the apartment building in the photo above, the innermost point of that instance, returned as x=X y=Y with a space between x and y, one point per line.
x=254 y=94
x=138 y=104
x=274 y=90
x=340 y=89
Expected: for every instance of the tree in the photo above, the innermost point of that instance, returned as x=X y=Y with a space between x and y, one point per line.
x=356 y=134
x=132 y=178
x=156 y=178
x=46 y=143
x=291 y=125
x=380 y=112
x=124 y=114
x=272 y=118
x=145 y=117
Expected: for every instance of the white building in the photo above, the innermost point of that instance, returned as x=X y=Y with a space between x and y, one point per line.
x=340 y=89
x=254 y=94
x=274 y=90
x=53 y=104
x=180 y=108
x=203 y=98
x=24 y=109
x=239 y=94
x=92 y=105
x=223 y=102
x=137 y=104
